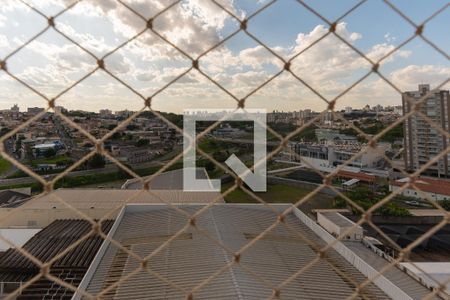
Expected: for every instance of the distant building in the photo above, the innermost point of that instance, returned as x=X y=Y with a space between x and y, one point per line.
x=398 y=110
x=132 y=154
x=325 y=157
x=35 y=110
x=104 y=113
x=15 y=108
x=422 y=141
x=328 y=118
x=124 y=113
x=326 y=134
x=14 y=112
x=40 y=149
x=436 y=189
x=378 y=108
x=61 y=109
x=338 y=225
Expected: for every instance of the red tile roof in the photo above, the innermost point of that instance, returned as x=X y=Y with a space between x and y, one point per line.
x=361 y=176
x=436 y=186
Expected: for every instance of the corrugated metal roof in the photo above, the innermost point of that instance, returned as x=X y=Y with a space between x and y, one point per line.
x=170 y=180
x=337 y=219
x=191 y=258
x=9 y=198
x=17 y=236
x=52 y=240
x=45 y=245
x=412 y=287
x=108 y=199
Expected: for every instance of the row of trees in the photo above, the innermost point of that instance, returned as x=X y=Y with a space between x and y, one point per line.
x=376 y=127
x=365 y=198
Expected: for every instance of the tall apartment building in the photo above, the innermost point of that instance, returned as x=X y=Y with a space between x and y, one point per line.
x=422 y=142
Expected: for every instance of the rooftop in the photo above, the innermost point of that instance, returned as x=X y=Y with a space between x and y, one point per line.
x=357 y=175
x=47 y=244
x=110 y=198
x=170 y=180
x=337 y=219
x=192 y=257
x=437 y=186
x=10 y=199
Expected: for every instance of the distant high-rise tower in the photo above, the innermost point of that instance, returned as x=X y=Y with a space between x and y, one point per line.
x=421 y=140
x=15 y=108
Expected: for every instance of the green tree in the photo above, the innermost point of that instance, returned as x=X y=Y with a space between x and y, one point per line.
x=131 y=127
x=50 y=152
x=4 y=131
x=142 y=142
x=122 y=174
x=220 y=156
x=445 y=204
x=97 y=161
x=116 y=135
x=365 y=198
x=210 y=166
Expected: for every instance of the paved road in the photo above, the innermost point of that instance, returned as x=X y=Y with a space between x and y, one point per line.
x=246 y=141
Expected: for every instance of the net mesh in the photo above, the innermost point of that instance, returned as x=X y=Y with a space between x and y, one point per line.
x=418 y=32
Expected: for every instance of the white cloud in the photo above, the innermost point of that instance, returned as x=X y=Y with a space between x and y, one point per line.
x=380 y=50
x=4 y=41
x=184 y=24
x=410 y=77
x=148 y=63
x=3 y=19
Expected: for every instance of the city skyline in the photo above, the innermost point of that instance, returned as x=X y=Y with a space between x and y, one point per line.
x=51 y=63
x=24 y=109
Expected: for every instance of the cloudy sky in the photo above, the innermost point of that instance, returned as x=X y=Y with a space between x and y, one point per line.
x=51 y=62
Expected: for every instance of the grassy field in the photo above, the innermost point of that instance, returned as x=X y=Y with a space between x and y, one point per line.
x=4 y=165
x=278 y=193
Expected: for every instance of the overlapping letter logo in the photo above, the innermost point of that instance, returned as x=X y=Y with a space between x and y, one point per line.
x=255 y=179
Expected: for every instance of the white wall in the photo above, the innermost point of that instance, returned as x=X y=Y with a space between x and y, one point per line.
x=16 y=236
x=415 y=194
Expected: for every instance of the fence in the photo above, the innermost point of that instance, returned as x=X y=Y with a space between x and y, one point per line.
x=418 y=32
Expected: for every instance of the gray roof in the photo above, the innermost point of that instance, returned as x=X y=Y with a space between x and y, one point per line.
x=414 y=289
x=192 y=257
x=337 y=219
x=10 y=199
x=171 y=180
x=107 y=199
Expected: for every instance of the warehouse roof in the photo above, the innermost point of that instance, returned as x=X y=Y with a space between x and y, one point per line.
x=9 y=198
x=192 y=257
x=17 y=236
x=171 y=180
x=47 y=244
x=338 y=219
x=102 y=198
x=52 y=240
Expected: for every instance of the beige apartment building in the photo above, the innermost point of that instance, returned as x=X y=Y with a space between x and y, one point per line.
x=422 y=141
